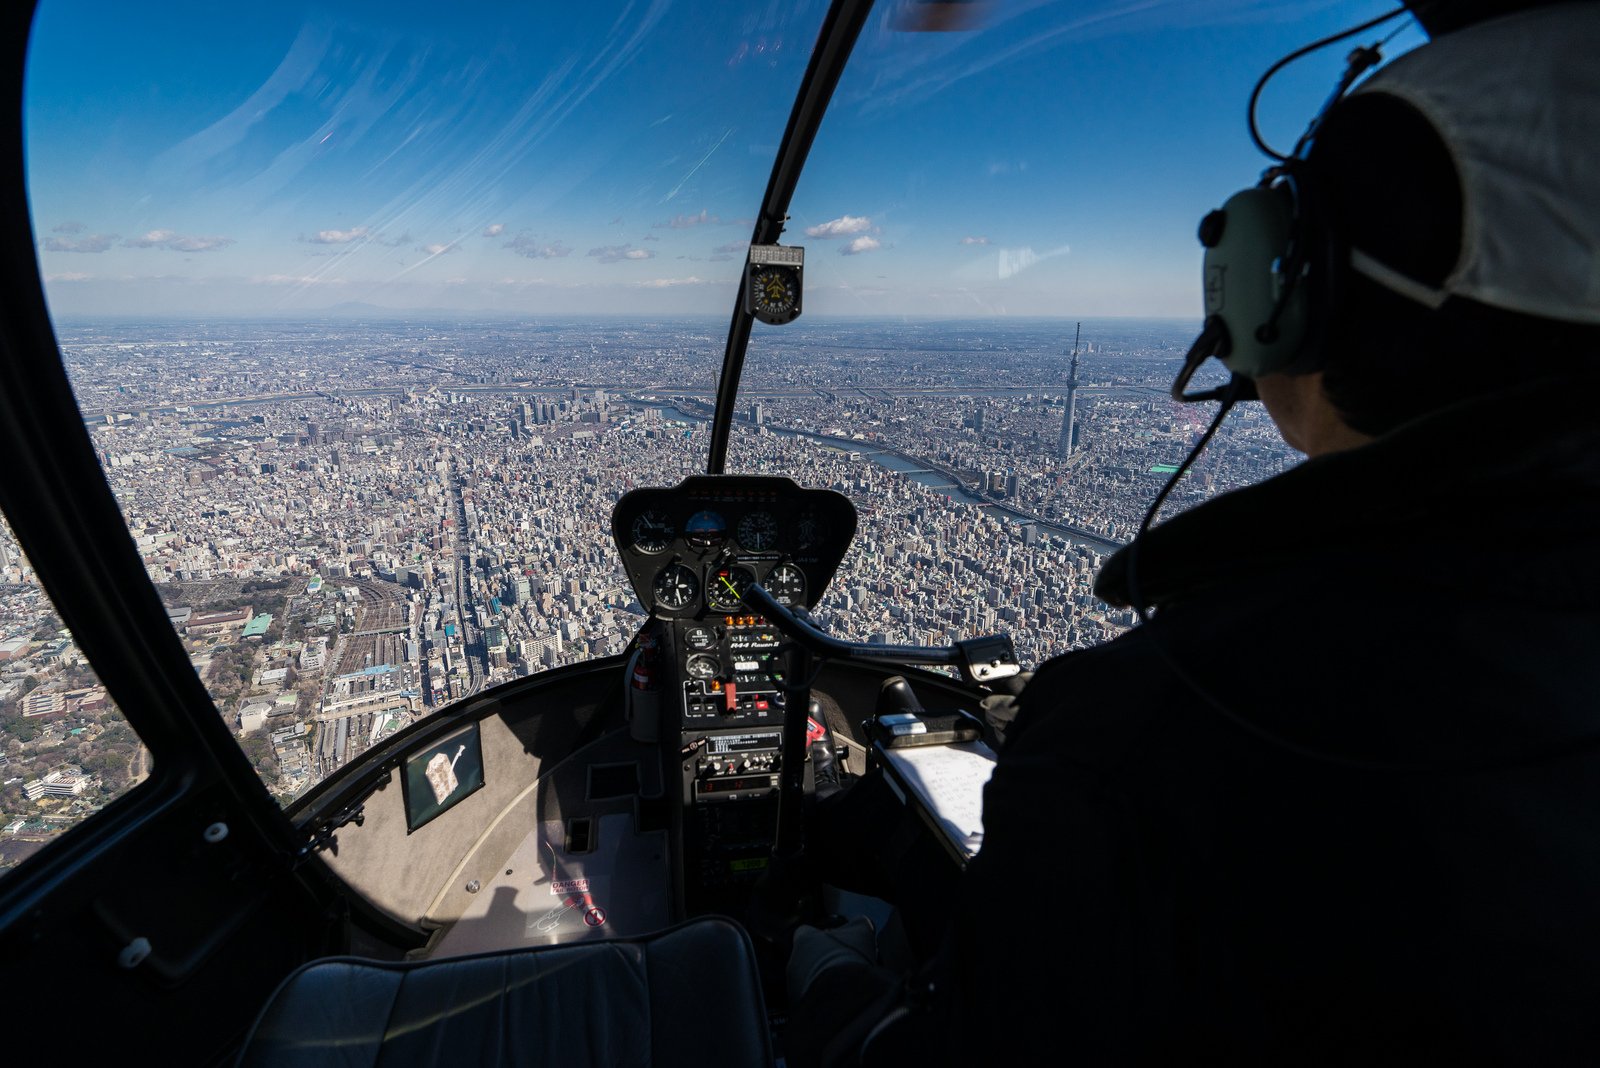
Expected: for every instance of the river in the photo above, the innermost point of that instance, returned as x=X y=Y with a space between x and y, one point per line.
x=937 y=481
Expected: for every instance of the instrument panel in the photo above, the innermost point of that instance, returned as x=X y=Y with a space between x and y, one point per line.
x=691 y=552
x=694 y=549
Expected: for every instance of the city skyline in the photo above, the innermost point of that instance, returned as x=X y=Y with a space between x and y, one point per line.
x=356 y=524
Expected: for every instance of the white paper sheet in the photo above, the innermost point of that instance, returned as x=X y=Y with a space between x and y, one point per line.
x=949 y=779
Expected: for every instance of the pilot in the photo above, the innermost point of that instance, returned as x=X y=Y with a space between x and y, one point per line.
x=1335 y=800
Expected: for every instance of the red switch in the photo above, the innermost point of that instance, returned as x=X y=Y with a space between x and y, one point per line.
x=731 y=692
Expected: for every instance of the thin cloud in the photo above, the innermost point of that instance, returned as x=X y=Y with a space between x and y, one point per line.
x=295 y=280
x=864 y=243
x=91 y=243
x=1013 y=261
x=69 y=228
x=494 y=230
x=692 y=170
x=176 y=242
x=733 y=246
x=618 y=253
x=663 y=283
x=530 y=247
x=69 y=276
x=438 y=249
x=340 y=237
x=685 y=222
x=974 y=240
x=843 y=226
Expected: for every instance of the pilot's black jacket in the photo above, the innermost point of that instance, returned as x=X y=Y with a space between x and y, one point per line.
x=1339 y=799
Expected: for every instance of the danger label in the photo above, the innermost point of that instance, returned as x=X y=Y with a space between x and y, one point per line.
x=569 y=886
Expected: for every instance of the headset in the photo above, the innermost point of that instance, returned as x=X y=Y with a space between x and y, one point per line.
x=1274 y=266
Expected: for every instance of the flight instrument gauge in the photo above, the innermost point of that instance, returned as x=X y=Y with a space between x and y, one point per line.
x=787 y=584
x=702 y=667
x=758 y=531
x=725 y=588
x=652 y=532
x=700 y=639
x=706 y=529
x=676 y=587
x=772 y=283
x=811 y=531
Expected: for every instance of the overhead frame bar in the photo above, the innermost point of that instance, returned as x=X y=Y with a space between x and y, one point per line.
x=835 y=42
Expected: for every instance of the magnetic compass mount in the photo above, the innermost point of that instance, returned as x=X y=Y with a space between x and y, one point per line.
x=772 y=282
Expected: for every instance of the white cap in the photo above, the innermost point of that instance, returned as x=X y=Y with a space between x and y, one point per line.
x=1517 y=102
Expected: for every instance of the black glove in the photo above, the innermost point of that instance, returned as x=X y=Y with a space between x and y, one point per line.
x=1001 y=708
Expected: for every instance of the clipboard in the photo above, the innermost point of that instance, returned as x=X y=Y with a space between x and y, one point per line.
x=944 y=784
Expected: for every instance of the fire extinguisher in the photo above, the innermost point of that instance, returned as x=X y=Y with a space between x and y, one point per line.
x=644 y=687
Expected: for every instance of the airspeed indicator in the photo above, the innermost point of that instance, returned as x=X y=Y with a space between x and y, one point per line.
x=652 y=532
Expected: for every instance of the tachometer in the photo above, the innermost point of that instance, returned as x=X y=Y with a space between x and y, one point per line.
x=787 y=584
x=676 y=587
x=725 y=588
x=758 y=531
x=700 y=638
x=652 y=532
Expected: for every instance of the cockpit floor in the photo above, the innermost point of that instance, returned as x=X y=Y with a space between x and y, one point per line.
x=546 y=895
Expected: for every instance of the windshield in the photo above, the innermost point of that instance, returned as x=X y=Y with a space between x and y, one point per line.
x=375 y=311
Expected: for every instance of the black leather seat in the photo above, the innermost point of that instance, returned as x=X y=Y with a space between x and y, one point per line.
x=689 y=994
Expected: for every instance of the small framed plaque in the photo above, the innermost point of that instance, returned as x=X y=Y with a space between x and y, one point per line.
x=441 y=775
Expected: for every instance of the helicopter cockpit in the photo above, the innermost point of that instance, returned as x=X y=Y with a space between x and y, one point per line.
x=371 y=594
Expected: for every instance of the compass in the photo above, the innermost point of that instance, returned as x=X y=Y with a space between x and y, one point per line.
x=772 y=283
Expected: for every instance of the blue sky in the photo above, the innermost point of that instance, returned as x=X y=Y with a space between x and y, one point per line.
x=201 y=159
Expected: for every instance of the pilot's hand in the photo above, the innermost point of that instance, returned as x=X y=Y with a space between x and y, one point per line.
x=1001 y=708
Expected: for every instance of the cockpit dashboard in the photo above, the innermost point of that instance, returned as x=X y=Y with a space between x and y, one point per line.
x=693 y=549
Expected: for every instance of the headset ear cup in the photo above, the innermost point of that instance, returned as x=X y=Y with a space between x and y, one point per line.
x=1252 y=279
x=1327 y=259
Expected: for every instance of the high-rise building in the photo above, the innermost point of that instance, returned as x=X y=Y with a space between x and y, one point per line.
x=1068 y=439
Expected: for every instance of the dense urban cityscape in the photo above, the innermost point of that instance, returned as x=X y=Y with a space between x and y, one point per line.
x=355 y=522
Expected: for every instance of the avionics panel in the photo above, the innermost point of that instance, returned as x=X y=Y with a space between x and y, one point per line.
x=690 y=553
x=692 y=549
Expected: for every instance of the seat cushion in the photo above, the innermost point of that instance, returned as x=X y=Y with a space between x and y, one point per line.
x=687 y=994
